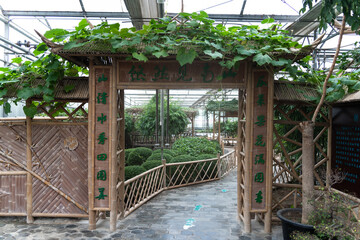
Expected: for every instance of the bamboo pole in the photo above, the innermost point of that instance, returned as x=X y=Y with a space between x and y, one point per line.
x=239 y=140
x=91 y=139
x=219 y=127
x=113 y=150
x=164 y=173
x=29 y=193
x=269 y=153
x=248 y=149
x=213 y=125
x=218 y=163
x=121 y=190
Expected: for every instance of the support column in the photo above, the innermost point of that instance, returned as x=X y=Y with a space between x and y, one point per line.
x=269 y=153
x=113 y=153
x=248 y=148
x=91 y=136
x=29 y=185
x=121 y=190
x=329 y=152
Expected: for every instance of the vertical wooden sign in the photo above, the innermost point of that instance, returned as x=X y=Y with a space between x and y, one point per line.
x=101 y=139
x=261 y=142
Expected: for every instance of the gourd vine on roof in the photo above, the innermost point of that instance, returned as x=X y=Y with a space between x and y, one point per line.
x=189 y=36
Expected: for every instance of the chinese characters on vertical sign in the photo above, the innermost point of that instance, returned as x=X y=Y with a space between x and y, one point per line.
x=258 y=181
x=101 y=137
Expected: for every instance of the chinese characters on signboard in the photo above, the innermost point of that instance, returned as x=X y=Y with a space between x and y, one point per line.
x=198 y=74
x=258 y=181
x=101 y=137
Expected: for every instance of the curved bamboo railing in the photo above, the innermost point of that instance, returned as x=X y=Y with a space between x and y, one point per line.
x=143 y=187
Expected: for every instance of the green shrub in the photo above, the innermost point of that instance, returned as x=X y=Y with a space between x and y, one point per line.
x=157 y=156
x=196 y=146
x=167 y=151
x=132 y=171
x=183 y=158
x=138 y=156
x=151 y=164
x=127 y=153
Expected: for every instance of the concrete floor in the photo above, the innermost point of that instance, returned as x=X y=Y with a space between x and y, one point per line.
x=205 y=211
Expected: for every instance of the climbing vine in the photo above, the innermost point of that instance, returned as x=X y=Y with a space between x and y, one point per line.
x=188 y=36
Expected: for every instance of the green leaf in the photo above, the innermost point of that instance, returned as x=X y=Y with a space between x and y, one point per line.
x=3 y=92
x=30 y=111
x=48 y=98
x=247 y=52
x=17 y=60
x=171 y=26
x=7 y=107
x=73 y=44
x=140 y=56
x=68 y=88
x=82 y=24
x=280 y=62
x=267 y=20
x=185 y=56
x=262 y=59
x=25 y=93
x=356 y=86
x=41 y=47
x=53 y=76
x=239 y=58
x=212 y=54
x=161 y=53
x=56 y=32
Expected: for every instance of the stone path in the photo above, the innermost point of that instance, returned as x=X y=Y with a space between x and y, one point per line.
x=200 y=212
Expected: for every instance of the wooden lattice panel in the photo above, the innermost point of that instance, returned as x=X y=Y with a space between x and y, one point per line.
x=13 y=194
x=12 y=140
x=67 y=169
x=287 y=160
x=241 y=153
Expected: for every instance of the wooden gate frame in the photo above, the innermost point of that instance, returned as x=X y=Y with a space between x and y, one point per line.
x=116 y=153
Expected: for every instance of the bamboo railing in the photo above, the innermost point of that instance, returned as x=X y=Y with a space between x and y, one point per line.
x=140 y=189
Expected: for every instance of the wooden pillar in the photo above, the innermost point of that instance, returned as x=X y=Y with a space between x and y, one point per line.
x=269 y=153
x=219 y=127
x=238 y=150
x=113 y=152
x=121 y=190
x=29 y=194
x=91 y=137
x=213 y=125
x=248 y=147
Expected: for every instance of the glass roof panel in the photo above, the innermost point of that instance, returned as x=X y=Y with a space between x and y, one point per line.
x=42 y=5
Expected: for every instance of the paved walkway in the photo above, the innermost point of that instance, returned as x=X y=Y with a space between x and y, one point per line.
x=200 y=212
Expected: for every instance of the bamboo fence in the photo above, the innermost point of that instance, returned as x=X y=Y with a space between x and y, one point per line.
x=138 y=190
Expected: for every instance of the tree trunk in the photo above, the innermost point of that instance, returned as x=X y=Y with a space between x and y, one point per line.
x=308 y=161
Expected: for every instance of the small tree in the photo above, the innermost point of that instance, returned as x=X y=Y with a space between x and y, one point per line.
x=145 y=124
x=351 y=15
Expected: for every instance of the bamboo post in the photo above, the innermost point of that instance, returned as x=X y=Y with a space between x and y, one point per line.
x=213 y=125
x=164 y=172
x=218 y=163
x=248 y=150
x=121 y=190
x=219 y=127
x=238 y=148
x=269 y=154
x=113 y=152
x=91 y=139
x=29 y=194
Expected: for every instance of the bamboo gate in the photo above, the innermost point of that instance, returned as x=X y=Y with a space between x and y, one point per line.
x=64 y=176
